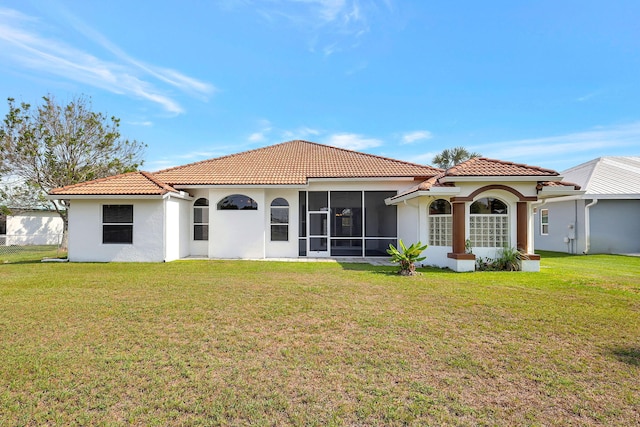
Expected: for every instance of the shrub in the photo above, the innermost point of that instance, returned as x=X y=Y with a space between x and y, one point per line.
x=507 y=259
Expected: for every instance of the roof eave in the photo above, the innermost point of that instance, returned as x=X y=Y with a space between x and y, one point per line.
x=433 y=192
x=500 y=178
x=553 y=192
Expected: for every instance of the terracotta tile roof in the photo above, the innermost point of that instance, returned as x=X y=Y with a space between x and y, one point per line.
x=559 y=184
x=291 y=162
x=133 y=183
x=481 y=166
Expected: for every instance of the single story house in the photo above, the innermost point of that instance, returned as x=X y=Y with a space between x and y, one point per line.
x=304 y=199
x=31 y=227
x=605 y=219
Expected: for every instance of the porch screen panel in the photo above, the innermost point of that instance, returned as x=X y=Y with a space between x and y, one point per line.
x=302 y=223
x=346 y=214
x=380 y=220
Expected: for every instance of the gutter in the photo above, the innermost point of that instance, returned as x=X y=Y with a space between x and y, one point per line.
x=587 y=226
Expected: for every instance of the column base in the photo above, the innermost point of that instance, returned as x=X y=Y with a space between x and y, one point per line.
x=461 y=262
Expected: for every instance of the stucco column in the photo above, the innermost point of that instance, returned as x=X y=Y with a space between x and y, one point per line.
x=459 y=232
x=522 y=238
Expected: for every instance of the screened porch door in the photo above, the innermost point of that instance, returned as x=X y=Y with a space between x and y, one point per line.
x=318 y=234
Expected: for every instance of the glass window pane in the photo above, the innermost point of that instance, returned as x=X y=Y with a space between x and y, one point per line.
x=200 y=232
x=380 y=220
x=302 y=214
x=201 y=202
x=280 y=215
x=279 y=233
x=440 y=207
x=117 y=213
x=237 y=202
x=302 y=247
x=279 y=202
x=117 y=234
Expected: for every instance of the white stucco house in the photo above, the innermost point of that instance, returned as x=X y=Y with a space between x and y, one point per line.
x=605 y=219
x=31 y=227
x=303 y=199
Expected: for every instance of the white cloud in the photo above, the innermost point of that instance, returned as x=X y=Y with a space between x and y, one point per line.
x=418 y=135
x=592 y=143
x=256 y=137
x=333 y=24
x=23 y=43
x=300 y=133
x=352 y=141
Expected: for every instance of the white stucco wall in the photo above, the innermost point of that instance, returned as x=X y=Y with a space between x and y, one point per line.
x=288 y=249
x=237 y=233
x=34 y=228
x=85 y=232
x=177 y=229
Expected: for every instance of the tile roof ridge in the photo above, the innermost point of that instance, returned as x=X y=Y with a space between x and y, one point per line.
x=462 y=165
x=167 y=188
x=372 y=155
x=317 y=144
x=93 y=181
x=503 y=162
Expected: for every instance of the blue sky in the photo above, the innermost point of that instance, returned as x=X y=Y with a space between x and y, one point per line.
x=548 y=83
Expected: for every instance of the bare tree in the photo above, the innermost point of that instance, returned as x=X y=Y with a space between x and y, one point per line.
x=453 y=156
x=53 y=146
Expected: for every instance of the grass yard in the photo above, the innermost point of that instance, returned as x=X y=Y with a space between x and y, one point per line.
x=266 y=343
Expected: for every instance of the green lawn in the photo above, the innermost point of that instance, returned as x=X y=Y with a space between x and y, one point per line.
x=266 y=343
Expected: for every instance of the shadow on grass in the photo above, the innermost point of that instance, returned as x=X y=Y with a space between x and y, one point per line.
x=628 y=355
x=391 y=270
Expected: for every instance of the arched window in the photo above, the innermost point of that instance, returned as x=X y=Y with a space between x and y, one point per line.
x=237 y=202
x=440 y=230
x=489 y=223
x=201 y=219
x=279 y=220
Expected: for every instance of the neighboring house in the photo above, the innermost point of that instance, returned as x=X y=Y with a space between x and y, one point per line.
x=31 y=227
x=303 y=199
x=605 y=219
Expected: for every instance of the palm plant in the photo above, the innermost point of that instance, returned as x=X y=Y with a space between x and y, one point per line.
x=452 y=157
x=406 y=257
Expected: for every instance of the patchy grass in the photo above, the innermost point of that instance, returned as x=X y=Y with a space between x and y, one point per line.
x=266 y=343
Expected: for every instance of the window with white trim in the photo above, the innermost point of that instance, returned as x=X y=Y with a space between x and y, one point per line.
x=237 y=202
x=201 y=219
x=279 y=220
x=440 y=223
x=489 y=223
x=544 y=221
x=117 y=224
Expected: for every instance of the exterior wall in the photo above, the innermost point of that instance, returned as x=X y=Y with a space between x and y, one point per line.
x=566 y=227
x=85 y=232
x=34 y=228
x=615 y=227
x=237 y=234
x=198 y=247
x=288 y=249
x=177 y=228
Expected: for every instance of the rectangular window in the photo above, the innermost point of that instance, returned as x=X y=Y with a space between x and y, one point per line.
x=117 y=224
x=280 y=223
x=440 y=230
x=489 y=231
x=544 y=221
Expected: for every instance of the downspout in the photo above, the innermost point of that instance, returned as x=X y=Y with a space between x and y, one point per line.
x=587 y=226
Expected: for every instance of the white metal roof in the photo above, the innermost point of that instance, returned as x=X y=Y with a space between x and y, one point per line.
x=607 y=177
